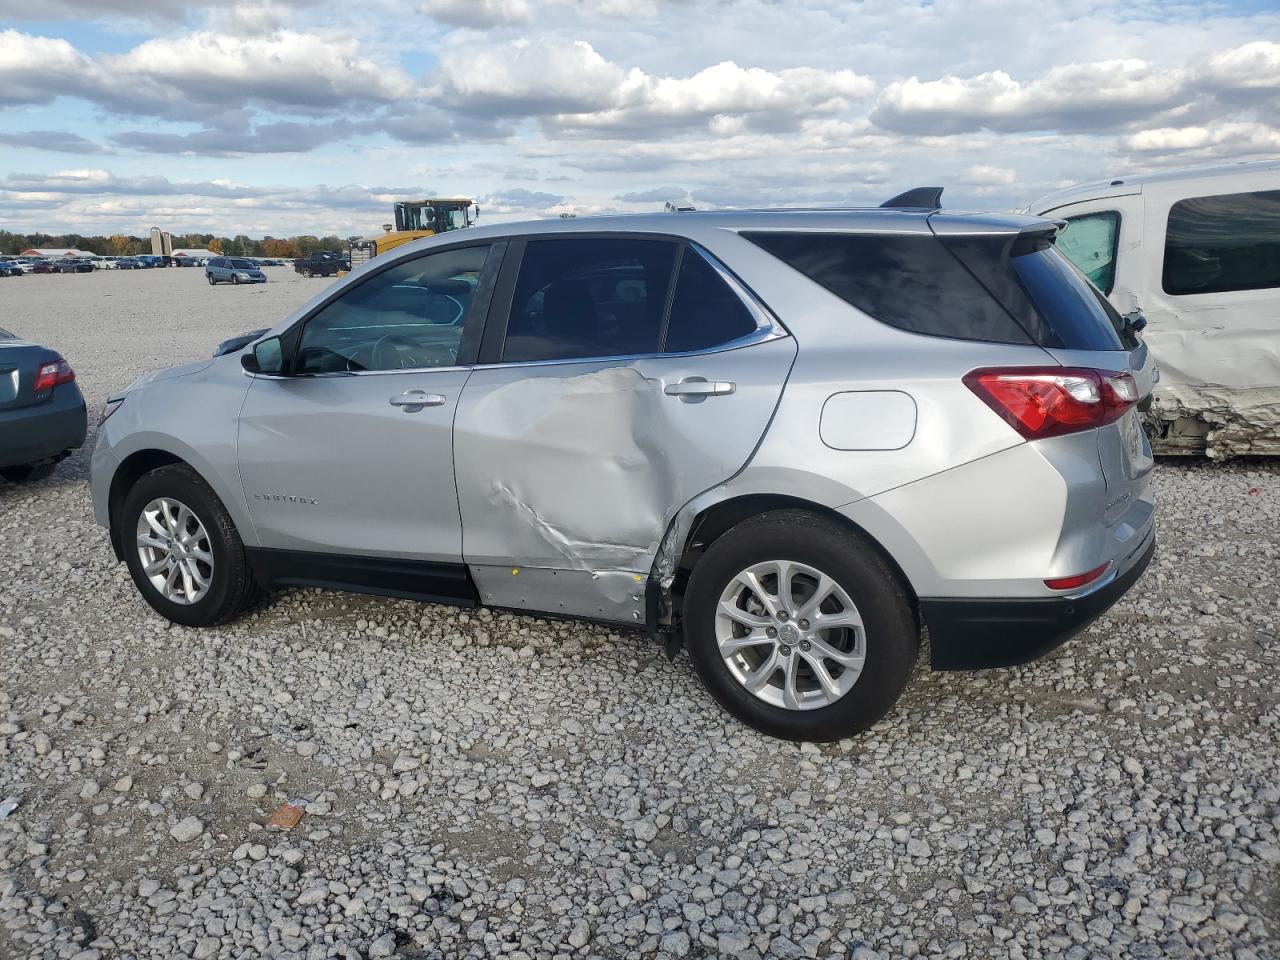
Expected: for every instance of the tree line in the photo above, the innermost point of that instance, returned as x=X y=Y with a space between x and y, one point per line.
x=122 y=245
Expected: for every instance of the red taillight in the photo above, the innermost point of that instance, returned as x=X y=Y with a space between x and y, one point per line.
x=1042 y=402
x=53 y=373
x=1079 y=580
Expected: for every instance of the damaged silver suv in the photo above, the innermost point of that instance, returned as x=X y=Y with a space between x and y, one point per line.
x=790 y=439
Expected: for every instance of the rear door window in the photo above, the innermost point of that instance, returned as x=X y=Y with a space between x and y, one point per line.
x=1091 y=242
x=589 y=297
x=705 y=311
x=1223 y=243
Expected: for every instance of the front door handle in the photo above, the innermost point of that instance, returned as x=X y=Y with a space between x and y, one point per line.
x=411 y=401
x=697 y=389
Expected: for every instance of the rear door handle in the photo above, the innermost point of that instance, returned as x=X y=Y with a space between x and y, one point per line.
x=413 y=400
x=693 y=389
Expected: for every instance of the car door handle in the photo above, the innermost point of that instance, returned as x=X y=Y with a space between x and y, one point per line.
x=692 y=389
x=412 y=400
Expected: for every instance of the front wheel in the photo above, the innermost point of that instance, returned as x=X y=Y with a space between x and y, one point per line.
x=209 y=277
x=182 y=548
x=235 y=280
x=799 y=628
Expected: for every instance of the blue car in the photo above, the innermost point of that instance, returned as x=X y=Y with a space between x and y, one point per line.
x=233 y=270
x=9 y=269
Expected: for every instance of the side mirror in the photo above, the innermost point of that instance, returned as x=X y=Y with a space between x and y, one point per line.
x=267 y=357
x=1135 y=321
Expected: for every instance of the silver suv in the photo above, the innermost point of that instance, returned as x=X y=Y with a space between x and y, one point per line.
x=789 y=439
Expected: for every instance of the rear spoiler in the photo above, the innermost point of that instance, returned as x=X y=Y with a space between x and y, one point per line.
x=917 y=198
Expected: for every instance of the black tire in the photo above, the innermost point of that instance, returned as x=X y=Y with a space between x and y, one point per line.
x=892 y=637
x=28 y=473
x=209 y=277
x=235 y=279
x=232 y=585
x=306 y=272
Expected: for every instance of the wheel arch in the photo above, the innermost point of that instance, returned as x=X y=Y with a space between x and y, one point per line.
x=131 y=469
x=719 y=518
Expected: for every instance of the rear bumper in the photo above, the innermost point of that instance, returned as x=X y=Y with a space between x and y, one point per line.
x=43 y=431
x=973 y=634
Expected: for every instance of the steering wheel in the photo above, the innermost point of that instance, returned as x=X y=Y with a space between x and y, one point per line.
x=395 y=352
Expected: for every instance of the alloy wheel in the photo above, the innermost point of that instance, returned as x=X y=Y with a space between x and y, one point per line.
x=174 y=551
x=790 y=635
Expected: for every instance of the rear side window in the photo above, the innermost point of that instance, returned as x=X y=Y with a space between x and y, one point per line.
x=1064 y=298
x=909 y=282
x=705 y=311
x=1091 y=242
x=589 y=298
x=1223 y=243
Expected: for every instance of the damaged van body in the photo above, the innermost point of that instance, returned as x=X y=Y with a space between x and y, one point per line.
x=790 y=438
x=1196 y=253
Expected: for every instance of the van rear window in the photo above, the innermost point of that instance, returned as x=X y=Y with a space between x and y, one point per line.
x=909 y=282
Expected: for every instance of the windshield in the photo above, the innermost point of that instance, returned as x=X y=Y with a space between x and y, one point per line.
x=244 y=265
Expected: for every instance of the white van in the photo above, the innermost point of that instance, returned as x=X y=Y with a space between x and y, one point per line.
x=1197 y=253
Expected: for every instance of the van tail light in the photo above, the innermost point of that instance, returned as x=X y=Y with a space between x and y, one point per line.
x=1042 y=402
x=1078 y=580
x=50 y=374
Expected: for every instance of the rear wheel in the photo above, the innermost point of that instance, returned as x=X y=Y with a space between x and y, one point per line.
x=306 y=272
x=182 y=548
x=799 y=628
x=28 y=473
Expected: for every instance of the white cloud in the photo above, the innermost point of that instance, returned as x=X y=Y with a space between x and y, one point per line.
x=1222 y=140
x=285 y=67
x=527 y=77
x=39 y=69
x=579 y=90
x=479 y=14
x=1094 y=96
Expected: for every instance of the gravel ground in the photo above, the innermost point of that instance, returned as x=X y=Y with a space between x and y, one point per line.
x=482 y=785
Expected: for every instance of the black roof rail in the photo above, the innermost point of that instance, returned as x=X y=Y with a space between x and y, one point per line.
x=917 y=198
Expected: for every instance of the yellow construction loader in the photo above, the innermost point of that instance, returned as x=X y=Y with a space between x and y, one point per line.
x=414 y=219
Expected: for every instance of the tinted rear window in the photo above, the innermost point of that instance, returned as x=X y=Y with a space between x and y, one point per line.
x=1066 y=300
x=1223 y=243
x=909 y=282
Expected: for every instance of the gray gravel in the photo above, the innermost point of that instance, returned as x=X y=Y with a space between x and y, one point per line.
x=480 y=784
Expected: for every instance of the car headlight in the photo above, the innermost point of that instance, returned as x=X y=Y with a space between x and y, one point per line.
x=108 y=408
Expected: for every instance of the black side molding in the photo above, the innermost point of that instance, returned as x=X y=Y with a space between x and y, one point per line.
x=978 y=634
x=917 y=198
x=406 y=579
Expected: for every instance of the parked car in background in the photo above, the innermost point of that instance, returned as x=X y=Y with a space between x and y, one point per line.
x=9 y=269
x=104 y=263
x=1193 y=257
x=129 y=263
x=43 y=265
x=789 y=437
x=24 y=263
x=233 y=270
x=42 y=414
x=321 y=263
x=74 y=265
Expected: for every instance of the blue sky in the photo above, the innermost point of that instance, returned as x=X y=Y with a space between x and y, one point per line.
x=294 y=116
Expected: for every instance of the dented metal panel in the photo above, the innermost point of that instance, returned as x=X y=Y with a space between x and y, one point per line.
x=580 y=466
x=616 y=595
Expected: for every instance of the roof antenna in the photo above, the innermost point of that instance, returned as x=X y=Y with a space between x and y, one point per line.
x=917 y=198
